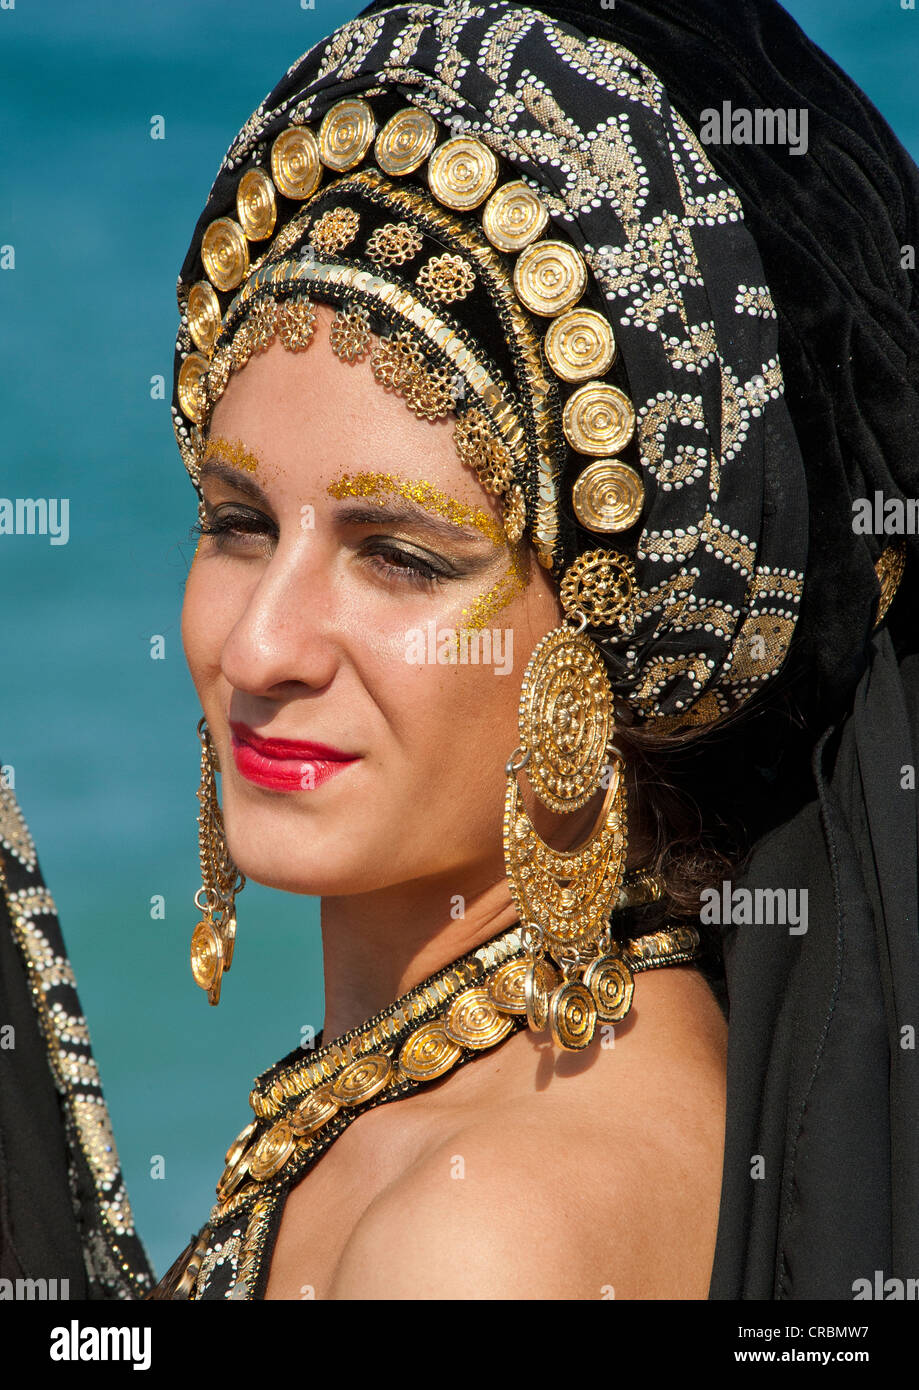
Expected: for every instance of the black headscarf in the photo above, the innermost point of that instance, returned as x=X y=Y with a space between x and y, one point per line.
x=831 y=227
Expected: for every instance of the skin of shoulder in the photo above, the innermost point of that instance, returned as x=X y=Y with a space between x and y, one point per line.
x=604 y=1187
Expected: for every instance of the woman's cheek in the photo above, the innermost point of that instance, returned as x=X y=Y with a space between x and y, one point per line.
x=206 y=619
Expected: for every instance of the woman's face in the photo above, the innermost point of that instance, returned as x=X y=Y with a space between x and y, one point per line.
x=352 y=542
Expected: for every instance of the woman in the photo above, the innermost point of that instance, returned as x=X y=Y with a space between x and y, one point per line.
x=503 y=524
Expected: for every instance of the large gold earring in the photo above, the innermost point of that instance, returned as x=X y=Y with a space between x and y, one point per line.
x=215 y=935
x=564 y=897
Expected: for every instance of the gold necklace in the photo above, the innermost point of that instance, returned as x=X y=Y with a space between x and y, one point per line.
x=300 y=1108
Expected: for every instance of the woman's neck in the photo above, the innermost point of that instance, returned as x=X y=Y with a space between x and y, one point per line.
x=378 y=946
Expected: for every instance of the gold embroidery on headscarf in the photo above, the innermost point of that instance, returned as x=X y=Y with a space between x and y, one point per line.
x=728 y=544
x=669 y=598
x=655 y=421
x=663 y=670
x=759 y=647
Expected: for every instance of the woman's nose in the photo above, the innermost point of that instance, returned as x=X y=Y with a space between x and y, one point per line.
x=286 y=631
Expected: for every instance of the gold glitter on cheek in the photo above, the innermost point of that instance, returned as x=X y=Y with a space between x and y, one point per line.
x=513 y=582
x=233 y=452
x=379 y=485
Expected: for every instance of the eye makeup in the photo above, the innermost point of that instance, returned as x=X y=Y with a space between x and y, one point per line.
x=514 y=580
x=378 y=486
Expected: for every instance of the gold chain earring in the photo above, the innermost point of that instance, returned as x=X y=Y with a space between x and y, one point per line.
x=563 y=897
x=215 y=935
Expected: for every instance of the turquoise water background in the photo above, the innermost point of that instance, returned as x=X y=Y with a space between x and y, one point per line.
x=102 y=737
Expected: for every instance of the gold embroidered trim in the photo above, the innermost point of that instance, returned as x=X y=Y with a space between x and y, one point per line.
x=889 y=567
x=76 y=1076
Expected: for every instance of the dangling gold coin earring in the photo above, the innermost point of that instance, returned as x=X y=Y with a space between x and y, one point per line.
x=214 y=937
x=564 y=897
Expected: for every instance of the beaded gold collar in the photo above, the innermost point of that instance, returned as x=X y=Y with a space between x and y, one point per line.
x=301 y=1107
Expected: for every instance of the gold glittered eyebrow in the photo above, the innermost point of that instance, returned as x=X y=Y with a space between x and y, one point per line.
x=418 y=501
x=233 y=452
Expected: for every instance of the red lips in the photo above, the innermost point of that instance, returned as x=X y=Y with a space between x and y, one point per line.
x=284 y=764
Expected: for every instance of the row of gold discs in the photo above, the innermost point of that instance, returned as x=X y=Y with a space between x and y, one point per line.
x=476 y=1019
x=549 y=278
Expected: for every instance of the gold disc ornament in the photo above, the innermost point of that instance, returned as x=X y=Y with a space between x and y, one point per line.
x=315 y=1111
x=405 y=141
x=598 y=419
x=610 y=982
x=346 y=134
x=362 y=1079
x=295 y=164
x=228 y=930
x=236 y=1164
x=473 y=1021
x=203 y=313
x=256 y=205
x=428 y=1053
x=580 y=344
x=206 y=956
x=507 y=987
x=608 y=496
x=272 y=1151
x=514 y=216
x=462 y=172
x=191 y=387
x=225 y=253
x=565 y=720
x=549 y=277
x=240 y=1143
x=572 y=1016
x=539 y=984
x=233 y=1175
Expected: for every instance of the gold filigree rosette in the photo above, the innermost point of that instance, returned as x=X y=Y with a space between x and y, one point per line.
x=399 y=365
x=479 y=447
x=349 y=335
x=296 y=324
x=334 y=230
x=600 y=584
x=446 y=278
x=394 y=243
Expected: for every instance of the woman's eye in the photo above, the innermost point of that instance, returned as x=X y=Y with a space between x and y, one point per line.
x=232 y=527
x=245 y=529
x=403 y=565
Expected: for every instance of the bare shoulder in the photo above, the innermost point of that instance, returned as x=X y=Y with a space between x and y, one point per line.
x=586 y=1176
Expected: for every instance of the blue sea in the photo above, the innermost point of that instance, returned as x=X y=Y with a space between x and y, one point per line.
x=101 y=736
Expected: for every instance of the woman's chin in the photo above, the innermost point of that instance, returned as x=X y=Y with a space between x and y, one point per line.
x=314 y=877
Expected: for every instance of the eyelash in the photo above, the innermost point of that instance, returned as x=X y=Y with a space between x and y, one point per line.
x=411 y=569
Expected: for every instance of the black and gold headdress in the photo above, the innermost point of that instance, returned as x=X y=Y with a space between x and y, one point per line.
x=555 y=261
